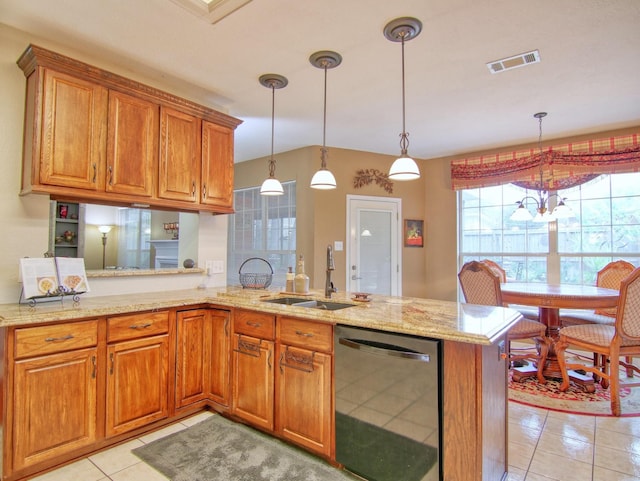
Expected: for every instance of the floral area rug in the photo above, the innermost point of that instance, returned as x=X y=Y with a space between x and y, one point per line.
x=574 y=400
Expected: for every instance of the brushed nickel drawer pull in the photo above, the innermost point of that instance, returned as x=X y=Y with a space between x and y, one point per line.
x=93 y=372
x=140 y=326
x=110 y=175
x=304 y=334
x=254 y=324
x=59 y=339
x=111 y=359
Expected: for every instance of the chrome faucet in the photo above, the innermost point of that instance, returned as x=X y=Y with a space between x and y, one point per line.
x=328 y=286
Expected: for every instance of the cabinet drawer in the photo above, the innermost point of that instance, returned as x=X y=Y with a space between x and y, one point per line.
x=137 y=325
x=311 y=335
x=256 y=324
x=35 y=341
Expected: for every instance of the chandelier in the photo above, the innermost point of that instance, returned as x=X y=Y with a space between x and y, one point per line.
x=560 y=211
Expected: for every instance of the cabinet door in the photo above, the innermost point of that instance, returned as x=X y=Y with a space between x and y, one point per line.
x=73 y=132
x=179 y=156
x=252 y=392
x=220 y=387
x=304 y=412
x=217 y=165
x=132 y=145
x=54 y=406
x=137 y=383
x=193 y=354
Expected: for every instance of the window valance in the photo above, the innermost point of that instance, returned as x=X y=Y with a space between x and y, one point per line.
x=563 y=165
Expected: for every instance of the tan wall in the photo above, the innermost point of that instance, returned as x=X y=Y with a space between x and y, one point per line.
x=322 y=215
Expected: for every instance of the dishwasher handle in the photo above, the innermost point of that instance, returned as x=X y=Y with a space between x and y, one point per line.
x=382 y=348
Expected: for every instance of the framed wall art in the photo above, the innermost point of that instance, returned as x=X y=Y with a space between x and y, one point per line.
x=413 y=233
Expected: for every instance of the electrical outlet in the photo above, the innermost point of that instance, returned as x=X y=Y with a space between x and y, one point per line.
x=217 y=267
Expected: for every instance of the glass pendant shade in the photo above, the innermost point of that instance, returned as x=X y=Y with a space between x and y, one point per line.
x=521 y=214
x=323 y=180
x=404 y=168
x=271 y=186
x=562 y=211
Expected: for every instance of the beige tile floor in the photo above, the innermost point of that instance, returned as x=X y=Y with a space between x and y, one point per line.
x=543 y=445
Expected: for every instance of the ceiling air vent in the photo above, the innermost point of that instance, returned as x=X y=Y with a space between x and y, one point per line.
x=514 y=62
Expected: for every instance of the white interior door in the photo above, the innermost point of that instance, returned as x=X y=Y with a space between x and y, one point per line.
x=373 y=245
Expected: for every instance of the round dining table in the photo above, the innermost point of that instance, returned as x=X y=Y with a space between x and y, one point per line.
x=549 y=299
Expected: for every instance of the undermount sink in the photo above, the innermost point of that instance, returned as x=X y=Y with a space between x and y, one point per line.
x=296 y=301
x=289 y=301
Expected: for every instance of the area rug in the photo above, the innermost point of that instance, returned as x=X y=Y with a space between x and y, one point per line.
x=404 y=459
x=548 y=396
x=220 y=450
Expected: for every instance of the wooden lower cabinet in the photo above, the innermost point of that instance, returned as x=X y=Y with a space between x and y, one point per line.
x=137 y=383
x=304 y=409
x=203 y=355
x=54 y=408
x=253 y=380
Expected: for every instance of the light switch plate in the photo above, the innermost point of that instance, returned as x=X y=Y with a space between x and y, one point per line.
x=338 y=246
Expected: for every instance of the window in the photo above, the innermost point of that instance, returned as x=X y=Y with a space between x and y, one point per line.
x=605 y=227
x=265 y=227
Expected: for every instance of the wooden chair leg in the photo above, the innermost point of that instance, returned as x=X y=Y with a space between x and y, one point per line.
x=629 y=360
x=543 y=345
x=560 y=347
x=614 y=368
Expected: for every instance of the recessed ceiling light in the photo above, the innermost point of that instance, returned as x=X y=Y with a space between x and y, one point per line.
x=516 y=61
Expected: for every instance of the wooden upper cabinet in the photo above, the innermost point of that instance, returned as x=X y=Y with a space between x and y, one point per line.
x=73 y=132
x=217 y=165
x=94 y=136
x=132 y=147
x=179 y=156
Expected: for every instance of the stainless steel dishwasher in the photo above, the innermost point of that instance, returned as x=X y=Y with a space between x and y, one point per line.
x=388 y=421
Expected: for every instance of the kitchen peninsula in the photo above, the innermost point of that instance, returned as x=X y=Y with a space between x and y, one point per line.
x=81 y=377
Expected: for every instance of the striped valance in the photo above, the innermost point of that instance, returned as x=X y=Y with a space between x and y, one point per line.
x=562 y=165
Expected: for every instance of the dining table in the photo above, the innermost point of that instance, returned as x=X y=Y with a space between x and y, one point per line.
x=549 y=299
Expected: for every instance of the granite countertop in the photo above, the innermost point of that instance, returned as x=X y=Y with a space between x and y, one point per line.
x=422 y=317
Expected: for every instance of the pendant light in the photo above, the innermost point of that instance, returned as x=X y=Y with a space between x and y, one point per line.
x=402 y=30
x=324 y=179
x=271 y=185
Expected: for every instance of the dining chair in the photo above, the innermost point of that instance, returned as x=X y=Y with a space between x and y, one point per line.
x=526 y=311
x=610 y=276
x=481 y=285
x=610 y=341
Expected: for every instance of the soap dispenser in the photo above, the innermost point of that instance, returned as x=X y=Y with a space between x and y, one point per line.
x=290 y=280
x=301 y=281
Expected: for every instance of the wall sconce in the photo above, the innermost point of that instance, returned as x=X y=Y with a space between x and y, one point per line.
x=104 y=230
x=172 y=228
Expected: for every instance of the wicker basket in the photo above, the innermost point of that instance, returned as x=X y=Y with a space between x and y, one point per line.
x=254 y=280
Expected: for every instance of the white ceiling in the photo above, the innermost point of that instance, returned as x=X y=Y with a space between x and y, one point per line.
x=588 y=78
